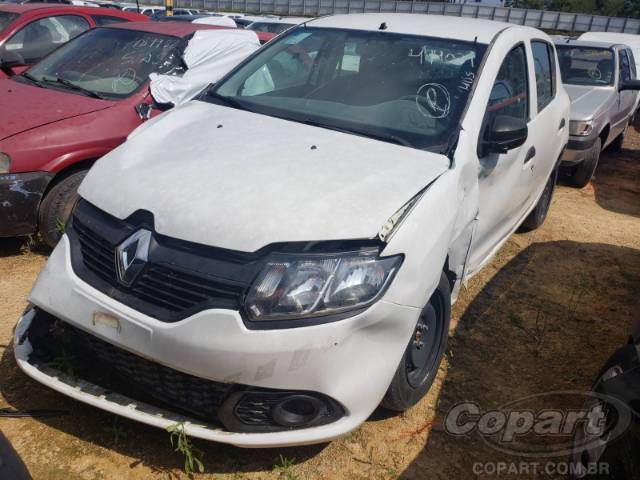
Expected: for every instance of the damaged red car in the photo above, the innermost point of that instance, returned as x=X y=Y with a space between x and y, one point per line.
x=70 y=109
x=29 y=32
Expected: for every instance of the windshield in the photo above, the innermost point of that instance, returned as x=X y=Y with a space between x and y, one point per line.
x=6 y=18
x=586 y=65
x=402 y=89
x=269 y=27
x=108 y=62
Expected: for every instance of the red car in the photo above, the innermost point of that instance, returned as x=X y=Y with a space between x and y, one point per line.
x=70 y=109
x=29 y=32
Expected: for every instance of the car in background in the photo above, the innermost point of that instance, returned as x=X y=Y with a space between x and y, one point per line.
x=275 y=25
x=29 y=32
x=147 y=11
x=84 y=98
x=243 y=22
x=264 y=37
x=176 y=11
x=616 y=394
x=24 y=2
x=287 y=246
x=601 y=80
x=219 y=20
x=632 y=41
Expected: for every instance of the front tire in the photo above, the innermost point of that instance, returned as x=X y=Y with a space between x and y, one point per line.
x=422 y=357
x=582 y=173
x=536 y=218
x=56 y=207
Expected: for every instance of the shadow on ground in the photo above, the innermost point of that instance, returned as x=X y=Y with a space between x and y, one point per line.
x=617 y=180
x=12 y=246
x=547 y=321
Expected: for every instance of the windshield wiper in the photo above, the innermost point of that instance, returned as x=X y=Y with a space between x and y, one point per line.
x=32 y=79
x=376 y=136
x=228 y=101
x=73 y=86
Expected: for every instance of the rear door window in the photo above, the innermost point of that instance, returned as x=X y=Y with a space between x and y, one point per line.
x=544 y=66
x=40 y=37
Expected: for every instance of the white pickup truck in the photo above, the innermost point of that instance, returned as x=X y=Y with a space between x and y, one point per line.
x=273 y=260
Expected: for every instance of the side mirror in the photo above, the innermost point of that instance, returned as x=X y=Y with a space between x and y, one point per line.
x=504 y=134
x=144 y=111
x=629 y=85
x=9 y=60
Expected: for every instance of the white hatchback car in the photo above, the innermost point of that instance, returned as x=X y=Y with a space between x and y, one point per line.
x=271 y=261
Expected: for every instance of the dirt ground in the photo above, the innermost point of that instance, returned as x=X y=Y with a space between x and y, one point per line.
x=543 y=316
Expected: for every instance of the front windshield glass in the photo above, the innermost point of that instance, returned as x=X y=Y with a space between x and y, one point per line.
x=107 y=62
x=586 y=65
x=6 y=18
x=402 y=89
x=269 y=27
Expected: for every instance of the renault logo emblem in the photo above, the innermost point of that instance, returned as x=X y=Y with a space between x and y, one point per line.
x=132 y=255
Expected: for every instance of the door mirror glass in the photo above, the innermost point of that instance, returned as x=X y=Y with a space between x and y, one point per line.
x=504 y=134
x=630 y=85
x=9 y=60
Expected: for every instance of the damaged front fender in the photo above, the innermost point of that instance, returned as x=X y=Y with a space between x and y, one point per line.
x=20 y=195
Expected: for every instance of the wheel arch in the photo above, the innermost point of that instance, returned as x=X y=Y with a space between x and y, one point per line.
x=604 y=134
x=66 y=171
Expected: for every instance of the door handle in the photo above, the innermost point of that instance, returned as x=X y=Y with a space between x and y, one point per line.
x=562 y=124
x=530 y=154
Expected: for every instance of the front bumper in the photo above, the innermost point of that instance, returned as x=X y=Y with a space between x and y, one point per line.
x=578 y=149
x=351 y=361
x=20 y=195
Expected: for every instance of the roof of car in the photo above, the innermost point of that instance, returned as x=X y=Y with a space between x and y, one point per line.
x=287 y=20
x=626 y=38
x=587 y=43
x=30 y=7
x=177 y=29
x=458 y=28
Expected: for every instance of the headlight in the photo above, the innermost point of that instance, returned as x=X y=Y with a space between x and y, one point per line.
x=580 y=128
x=306 y=286
x=5 y=163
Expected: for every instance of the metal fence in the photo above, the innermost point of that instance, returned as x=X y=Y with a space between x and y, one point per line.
x=572 y=22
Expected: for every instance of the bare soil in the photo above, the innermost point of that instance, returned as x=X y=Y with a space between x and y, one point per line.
x=543 y=316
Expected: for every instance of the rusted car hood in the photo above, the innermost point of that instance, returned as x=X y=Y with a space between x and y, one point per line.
x=25 y=107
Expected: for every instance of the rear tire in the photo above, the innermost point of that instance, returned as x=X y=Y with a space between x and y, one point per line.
x=422 y=357
x=56 y=207
x=536 y=218
x=582 y=173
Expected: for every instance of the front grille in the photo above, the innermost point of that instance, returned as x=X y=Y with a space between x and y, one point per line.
x=174 y=283
x=98 y=255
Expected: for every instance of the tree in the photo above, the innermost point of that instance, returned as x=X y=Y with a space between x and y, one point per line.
x=534 y=4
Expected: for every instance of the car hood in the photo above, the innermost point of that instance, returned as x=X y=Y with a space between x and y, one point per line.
x=587 y=102
x=239 y=180
x=25 y=107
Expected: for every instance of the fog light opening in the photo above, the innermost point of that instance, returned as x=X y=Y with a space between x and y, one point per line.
x=297 y=410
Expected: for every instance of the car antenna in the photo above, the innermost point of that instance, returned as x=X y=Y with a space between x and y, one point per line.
x=138 y=5
x=475 y=40
x=383 y=26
